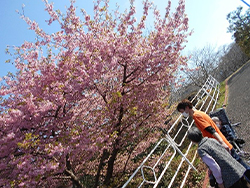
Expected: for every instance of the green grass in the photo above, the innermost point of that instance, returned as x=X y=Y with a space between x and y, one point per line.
x=222 y=94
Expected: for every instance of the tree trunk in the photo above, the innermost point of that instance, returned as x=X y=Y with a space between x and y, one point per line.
x=110 y=168
x=105 y=155
x=115 y=151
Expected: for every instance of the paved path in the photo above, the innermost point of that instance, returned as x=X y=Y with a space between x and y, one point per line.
x=238 y=104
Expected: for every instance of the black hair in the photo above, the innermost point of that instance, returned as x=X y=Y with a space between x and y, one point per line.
x=194 y=134
x=183 y=104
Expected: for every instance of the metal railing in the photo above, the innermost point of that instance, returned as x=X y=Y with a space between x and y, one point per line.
x=205 y=99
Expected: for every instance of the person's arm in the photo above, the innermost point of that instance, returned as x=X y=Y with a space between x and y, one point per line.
x=211 y=130
x=214 y=168
x=220 y=140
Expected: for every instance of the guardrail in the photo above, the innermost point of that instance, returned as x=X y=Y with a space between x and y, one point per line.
x=206 y=98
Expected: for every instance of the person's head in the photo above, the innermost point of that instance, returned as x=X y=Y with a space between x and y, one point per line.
x=194 y=134
x=184 y=106
x=217 y=121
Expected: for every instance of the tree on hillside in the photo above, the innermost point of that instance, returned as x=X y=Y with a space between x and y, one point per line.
x=84 y=99
x=232 y=58
x=239 y=25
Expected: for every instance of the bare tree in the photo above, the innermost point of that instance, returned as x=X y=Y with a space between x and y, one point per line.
x=219 y=63
x=202 y=64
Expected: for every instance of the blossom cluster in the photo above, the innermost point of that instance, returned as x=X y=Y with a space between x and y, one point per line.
x=94 y=88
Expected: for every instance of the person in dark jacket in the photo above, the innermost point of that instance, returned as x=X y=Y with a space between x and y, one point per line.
x=228 y=172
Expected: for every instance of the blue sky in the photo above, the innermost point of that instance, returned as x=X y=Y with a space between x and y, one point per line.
x=207 y=18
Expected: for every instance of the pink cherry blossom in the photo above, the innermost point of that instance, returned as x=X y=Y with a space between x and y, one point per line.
x=85 y=99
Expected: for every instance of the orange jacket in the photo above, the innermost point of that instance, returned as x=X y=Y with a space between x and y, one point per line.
x=202 y=121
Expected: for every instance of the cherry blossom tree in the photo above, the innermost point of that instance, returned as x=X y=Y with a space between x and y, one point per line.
x=85 y=99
